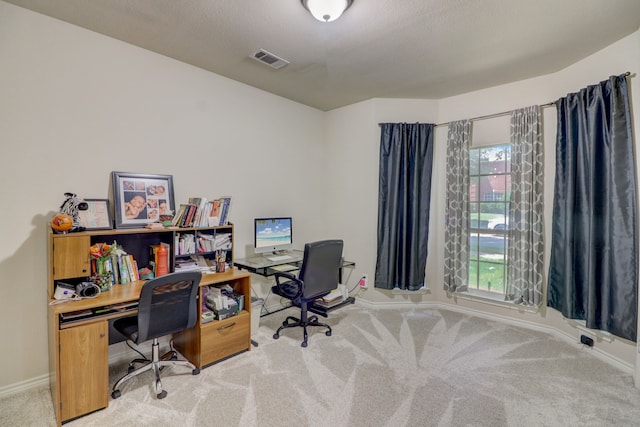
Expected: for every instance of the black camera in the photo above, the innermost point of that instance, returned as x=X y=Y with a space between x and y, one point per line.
x=87 y=289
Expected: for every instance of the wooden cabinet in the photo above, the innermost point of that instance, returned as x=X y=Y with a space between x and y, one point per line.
x=79 y=349
x=84 y=352
x=71 y=257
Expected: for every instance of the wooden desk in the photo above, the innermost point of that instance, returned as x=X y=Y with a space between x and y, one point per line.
x=79 y=348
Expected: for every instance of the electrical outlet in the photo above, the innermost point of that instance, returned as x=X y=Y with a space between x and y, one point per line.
x=586 y=340
x=363 y=281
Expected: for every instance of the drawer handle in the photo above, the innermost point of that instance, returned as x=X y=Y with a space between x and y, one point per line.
x=227 y=327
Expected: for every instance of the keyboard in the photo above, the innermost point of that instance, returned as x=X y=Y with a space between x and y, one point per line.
x=284 y=267
x=279 y=257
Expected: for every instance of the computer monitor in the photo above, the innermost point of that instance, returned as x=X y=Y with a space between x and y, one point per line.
x=272 y=235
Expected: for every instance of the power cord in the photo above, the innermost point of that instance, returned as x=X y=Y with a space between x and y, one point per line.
x=357 y=286
x=142 y=356
x=73 y=297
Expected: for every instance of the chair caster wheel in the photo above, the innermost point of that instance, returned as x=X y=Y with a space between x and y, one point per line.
x=162 y=395
x=276 y=336
x=195 y=371
x=130 y=369
x=174 y=357
x=328 y=333
x=304 y=344
x=116 y=394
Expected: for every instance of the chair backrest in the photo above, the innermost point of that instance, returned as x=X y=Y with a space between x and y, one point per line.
x=168 y=304
x=320 y=267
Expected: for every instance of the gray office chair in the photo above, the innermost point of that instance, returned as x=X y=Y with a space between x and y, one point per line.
x=168 y=304
x=317 y=277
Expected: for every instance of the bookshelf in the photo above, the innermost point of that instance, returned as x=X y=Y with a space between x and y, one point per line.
x=69 y=253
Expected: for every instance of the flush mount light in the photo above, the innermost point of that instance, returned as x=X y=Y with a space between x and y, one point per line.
x=326 y=10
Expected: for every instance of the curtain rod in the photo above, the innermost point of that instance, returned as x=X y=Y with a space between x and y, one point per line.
x=504 y=113
x=494 y=115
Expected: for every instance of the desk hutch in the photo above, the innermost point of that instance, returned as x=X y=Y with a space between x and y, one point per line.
x=79 y=346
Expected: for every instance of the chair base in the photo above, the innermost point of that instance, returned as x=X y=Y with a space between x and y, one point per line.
x=292 y=322
x=157 y=363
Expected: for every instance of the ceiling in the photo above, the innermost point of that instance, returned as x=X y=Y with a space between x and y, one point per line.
x=427 y=49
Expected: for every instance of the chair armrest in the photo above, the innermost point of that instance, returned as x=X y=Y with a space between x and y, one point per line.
x=291 y=279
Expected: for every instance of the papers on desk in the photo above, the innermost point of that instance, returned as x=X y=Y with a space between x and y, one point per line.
x=193 y=263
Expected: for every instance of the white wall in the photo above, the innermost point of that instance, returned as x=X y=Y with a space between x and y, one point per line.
x=76 y=105
x=357 y=125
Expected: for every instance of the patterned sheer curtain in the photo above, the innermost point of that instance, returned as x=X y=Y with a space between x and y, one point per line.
x=456 y=234
x=525 y=254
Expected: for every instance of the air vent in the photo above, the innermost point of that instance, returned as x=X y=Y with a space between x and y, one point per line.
x=269 y=59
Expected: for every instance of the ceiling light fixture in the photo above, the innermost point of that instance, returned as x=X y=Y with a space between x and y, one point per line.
x=326 y=10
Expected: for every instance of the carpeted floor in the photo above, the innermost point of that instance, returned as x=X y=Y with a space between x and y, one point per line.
x=381 y=367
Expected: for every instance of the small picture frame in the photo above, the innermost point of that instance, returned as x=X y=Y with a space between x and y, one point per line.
x=97 y=216
x=140 y=199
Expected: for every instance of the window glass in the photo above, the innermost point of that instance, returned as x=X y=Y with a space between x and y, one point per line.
x=490 y=189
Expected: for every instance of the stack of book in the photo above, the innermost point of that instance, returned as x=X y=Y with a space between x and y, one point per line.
x=200 y=212
x=334 y=298
x=120 y=266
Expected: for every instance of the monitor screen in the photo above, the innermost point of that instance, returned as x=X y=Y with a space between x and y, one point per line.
x=273 y=234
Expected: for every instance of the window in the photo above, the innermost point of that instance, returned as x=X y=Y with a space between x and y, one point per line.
x=490 y=189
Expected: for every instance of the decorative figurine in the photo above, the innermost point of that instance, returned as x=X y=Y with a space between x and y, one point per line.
x=69 y=207
x=62 y=223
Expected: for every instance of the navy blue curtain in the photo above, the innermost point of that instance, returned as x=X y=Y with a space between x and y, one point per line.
x=593 y=267
x=404 y=192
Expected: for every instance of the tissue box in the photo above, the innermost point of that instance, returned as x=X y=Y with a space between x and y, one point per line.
x=225 y=313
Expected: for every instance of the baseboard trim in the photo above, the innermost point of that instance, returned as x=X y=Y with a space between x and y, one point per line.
x=30 y=384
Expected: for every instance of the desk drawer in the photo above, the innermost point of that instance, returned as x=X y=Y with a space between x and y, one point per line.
x=225 y=338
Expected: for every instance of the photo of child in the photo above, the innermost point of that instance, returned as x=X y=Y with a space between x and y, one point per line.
x=135 y=205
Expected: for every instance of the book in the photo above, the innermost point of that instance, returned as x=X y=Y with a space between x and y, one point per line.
x=321 y=303
x=189 y=214
x=214 y=215
x=108 y=267
x=115 y=268
x=131 y=267
x=185 y=244
x=201 y=218
x=135 y=269
x=225 y=203
x=177 y=219
x=200 y=204
x=124 y=270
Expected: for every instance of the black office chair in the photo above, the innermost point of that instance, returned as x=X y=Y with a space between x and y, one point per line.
x=168 y=304
x=317 y=277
